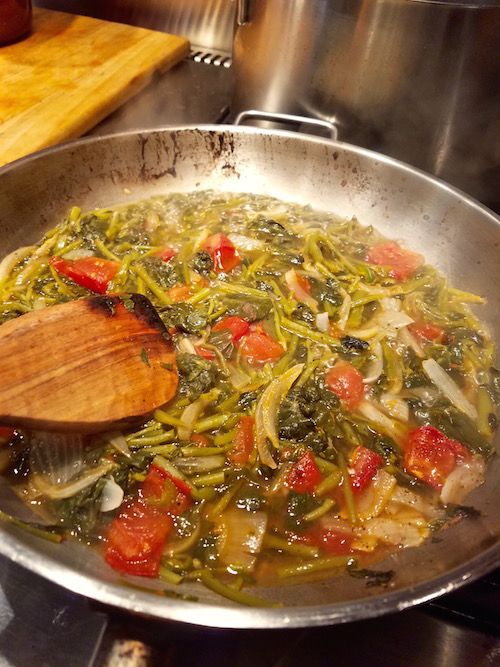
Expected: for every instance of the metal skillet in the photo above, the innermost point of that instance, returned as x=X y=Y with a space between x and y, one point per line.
x=455 y=233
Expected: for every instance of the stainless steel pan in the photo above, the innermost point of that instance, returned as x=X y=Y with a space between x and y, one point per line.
x=455 y=233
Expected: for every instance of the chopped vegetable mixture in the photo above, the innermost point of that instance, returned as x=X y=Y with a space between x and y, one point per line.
x=336 y=396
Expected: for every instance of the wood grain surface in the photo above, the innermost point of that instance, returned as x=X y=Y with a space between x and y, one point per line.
x=86 y=365
x=70 y=73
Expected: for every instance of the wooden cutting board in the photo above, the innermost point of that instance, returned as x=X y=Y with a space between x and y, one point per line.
x=70 y=73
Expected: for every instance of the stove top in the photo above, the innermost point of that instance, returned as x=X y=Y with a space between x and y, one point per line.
x=44 y=625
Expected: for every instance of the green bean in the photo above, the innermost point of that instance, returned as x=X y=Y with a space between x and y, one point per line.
x=152 y=285
x=206 y=577
x=293 y=548
x=165 y=436
x=320 y=511
x=210 y=479
x=210 y=423
x=39 y=531
x=225 y=438
x=317 y=565
x=165 y=418
x=168 y=576
x=105 y=251
x=201 y=451
x=346 y=488
x=329 y=483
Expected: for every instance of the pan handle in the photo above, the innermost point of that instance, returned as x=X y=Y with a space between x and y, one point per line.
x=242 y=12
x=287 y=118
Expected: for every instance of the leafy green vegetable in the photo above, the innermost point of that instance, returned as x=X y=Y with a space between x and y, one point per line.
x=80 y=512
x=202 y=263
x=166 y=274
x=184 y=317
x=196 y=375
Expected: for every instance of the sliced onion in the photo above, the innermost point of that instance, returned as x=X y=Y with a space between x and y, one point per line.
x=428 y=395
x=186 y=345
x=395 y=406
x=449 y=388
x=199 y=464
x=112 y=495
x=344 y=310
x=191 y=413
x=461 y=481
x=392 y=320
x=388 y=426
x=410 y=341
x=57 y=457
x=118 y=441
x=266 y=413
x=12 y=259
x=376 y=366
x=408 y=533
x=69 y=489
x=406 y=498
x=390 y=303
x=246 y=243
x=373 y=500
x=241 y=537
x=322 y=322
x=298 y=292
x=78 y=253
x=239 y=379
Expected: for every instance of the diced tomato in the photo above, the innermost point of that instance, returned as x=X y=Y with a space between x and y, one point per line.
x=135 y=539
x=205 y=353
x=166 y=253
x=402 y=263
x=364 y=464
x=224 y=255
x=236 y=325
x=426 y=331
x=304 y=475
x=200 y=440
x=180 y=484
x=180 y=293
x=303 y=282
x=6 y=432
x=154 y=483
x=431 y=456
x=347 y=383
x=243 y=441
x=160 y=490
x=259 y=348
x=93 y=273
x=333 y=542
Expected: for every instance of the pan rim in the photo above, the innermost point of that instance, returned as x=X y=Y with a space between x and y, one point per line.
x=222 y=616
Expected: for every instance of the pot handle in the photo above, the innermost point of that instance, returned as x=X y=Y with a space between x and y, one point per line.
x=288 y=118
x=242 y=12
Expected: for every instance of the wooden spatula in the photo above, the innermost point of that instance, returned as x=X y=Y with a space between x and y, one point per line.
x=87 y=365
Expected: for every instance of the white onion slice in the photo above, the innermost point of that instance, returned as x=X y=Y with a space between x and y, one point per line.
x=186 y=345
x=78 y=253
x=322 y=322
x=61 y=491
x=241 y=537
x=266 y=413
x=246 y=243
x=376 y=367
x=382 y=422
x=112 y=495
x=410 y=341
x=118 y=441
x=13 y=258
x=395 y=407
x=191 y=413
x=374 y=498
x=239 y=379
x=449 y=388
x=409 y=533
x=461 y=481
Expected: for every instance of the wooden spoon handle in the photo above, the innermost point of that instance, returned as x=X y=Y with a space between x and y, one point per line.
x=86 y=365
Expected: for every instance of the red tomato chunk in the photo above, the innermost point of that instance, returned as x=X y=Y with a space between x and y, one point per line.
x=243 y=441
x=364 y=464
x=136 y=538
x=223 y=253
x=304 y=475
x=236 y=325
x=260 y=348
x=93 y=273
x=401 y=262
x=431 y=456
x=426 y=331
x=347 y=383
